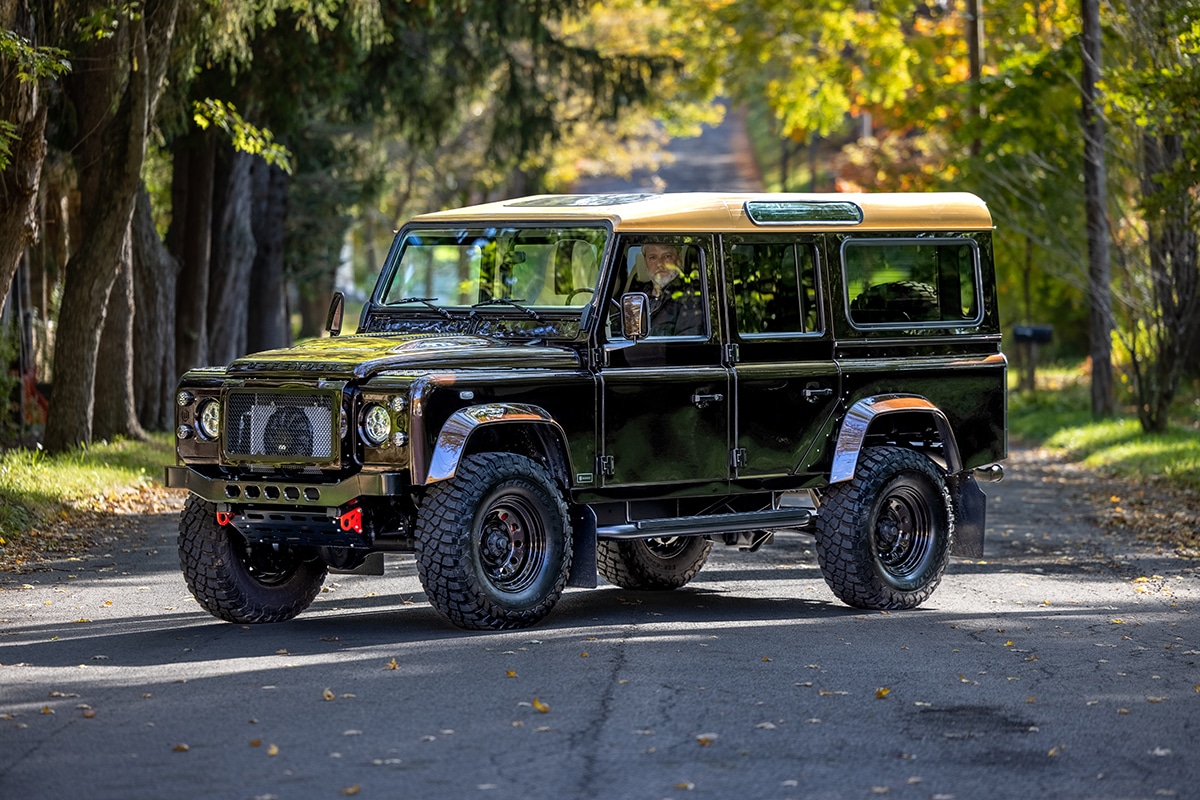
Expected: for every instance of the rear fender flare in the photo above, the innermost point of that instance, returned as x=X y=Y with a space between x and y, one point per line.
x=857 y=423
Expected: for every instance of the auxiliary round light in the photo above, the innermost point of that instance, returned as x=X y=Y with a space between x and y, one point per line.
x=376 y=424
x=184 y=398
x=209 y=419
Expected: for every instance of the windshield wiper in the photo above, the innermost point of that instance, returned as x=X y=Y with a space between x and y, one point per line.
x=504 y=301
x=428 y=301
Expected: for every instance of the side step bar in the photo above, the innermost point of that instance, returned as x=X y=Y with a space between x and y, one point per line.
x=770 y=520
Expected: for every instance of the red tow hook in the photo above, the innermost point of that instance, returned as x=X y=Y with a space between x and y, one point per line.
x=351 y=520
x=224 y=517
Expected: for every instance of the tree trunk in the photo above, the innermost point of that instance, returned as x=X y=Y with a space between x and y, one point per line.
x=1095 y=175
x=269 y=327
x=116 y=404
x=232 y=258
x=120 y=92
x=21 y=104
x=155 y=272
x=190 y=241
x=314 y=305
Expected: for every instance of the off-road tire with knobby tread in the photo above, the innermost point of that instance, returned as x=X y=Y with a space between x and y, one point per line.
x=883 y=538
x=652 y=565
x=215 y=566
x=494 y=543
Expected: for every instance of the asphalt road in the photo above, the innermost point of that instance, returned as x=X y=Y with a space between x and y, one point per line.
x=1062 y=665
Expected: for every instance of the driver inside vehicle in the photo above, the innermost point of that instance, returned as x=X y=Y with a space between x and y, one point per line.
x=675 y=308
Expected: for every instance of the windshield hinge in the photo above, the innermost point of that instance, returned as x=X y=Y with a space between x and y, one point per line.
x=733 y=353
x=606 y=466
x=737 y=457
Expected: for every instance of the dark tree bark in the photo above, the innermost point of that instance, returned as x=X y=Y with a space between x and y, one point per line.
x=116 y=405
x=1174 y=319
x=190 y=240
x=123 y=99
x=22 y=104
x=232 y=258
x=155 y=272
x=268 y=326
x=1095 y=176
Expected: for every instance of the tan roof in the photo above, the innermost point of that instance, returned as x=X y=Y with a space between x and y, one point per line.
x=716 y=212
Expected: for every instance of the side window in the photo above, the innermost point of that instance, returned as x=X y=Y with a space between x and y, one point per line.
x=671 y=274
x=774 y=287
x=907 y=281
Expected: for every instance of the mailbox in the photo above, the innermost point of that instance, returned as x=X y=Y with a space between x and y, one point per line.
x=1034 y=334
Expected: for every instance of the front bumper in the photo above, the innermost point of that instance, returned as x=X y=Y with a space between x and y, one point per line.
x=286 y=493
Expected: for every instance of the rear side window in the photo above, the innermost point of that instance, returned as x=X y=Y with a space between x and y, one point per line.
x=774 y=287
x=912 y=282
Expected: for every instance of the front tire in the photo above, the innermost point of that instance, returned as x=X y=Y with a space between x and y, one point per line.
x=883 y=538
x=238 y=581
x=494 y=543
x=652 y=564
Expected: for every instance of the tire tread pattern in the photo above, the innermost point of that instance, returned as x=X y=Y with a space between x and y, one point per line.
x=843 y=542
x=446 y=516
x=627 y=564
x=220 y=583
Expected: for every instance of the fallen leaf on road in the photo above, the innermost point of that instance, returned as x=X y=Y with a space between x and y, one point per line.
x=273 y=750
x=765 y=726
x=540 y=707
x=47 y=710
x=282 y=652
x=706 y=739
x=352 y=790
x=882 y=692
x=685 y=785
x=512 y=673
x=392 y=664
x=328 y=694
x=256 y=742
x=180 y=748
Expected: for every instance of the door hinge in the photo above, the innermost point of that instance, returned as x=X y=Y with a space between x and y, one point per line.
x=737 y=457
x=606 y=466
x=733 y=353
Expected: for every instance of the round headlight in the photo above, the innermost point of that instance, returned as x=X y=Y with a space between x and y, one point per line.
x=376 y=424
x=209 y=420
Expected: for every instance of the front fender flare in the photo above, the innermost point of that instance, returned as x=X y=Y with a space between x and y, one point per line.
x=456 y=432
x=858 y=420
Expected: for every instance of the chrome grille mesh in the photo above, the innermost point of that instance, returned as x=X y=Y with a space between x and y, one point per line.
x=280 y=426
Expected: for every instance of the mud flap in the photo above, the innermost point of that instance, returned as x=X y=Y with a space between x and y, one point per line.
x=970 y=512
x=583 y=543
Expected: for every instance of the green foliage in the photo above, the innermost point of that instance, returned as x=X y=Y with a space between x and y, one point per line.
x=32 y=62
x=245 y=137
x=10 y=382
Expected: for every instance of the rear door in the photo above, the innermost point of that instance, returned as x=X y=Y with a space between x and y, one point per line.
x=787 y=383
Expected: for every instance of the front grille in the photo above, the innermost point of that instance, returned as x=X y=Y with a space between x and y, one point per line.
x=281 y=426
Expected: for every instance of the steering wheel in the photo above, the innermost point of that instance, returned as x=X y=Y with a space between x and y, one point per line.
x=584 y=290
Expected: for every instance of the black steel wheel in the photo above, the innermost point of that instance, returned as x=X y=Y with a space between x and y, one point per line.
x=883 y=538
x=652 y=564
x=239 y=581
x=494 y=543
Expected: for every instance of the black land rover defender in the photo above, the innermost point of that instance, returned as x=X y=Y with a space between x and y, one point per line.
x=546 y=388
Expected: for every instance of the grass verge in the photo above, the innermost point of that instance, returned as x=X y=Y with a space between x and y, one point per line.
x=53 y=504
x=1058 y=416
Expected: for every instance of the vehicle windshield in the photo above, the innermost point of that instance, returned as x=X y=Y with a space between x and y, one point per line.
x=505 y=270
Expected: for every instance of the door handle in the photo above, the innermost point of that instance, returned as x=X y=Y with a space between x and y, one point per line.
x=703 y=400
x=811 y=395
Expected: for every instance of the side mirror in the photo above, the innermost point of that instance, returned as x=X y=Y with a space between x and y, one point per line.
x=635 y=316
x=337 y=307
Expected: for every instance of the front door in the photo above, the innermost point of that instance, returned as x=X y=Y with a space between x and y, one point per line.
x=666 y=400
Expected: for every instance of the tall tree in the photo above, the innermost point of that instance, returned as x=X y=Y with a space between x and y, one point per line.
x=1095 y=175
x=115 y=103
